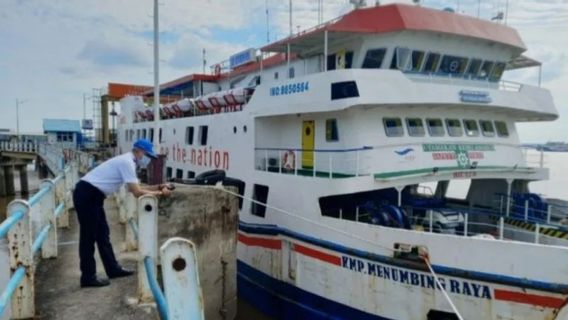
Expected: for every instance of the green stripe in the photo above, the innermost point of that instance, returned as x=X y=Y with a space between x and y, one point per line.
x=387 y=175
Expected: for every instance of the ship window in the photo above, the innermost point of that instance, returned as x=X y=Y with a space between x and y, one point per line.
x=340 y=60
x=191 y=174
x=487 y=128
x=203 y=135
x=131 y=134
x=374 y=58
x=291 y=73
x=137 y=134
x=473 y=68
x=486 y=68
x=497 y=71
x=435 y=127
x=471 y=128
x=415 y=127
x=151 y=135
x=502 y=130
x=260 y=196
x=432 y=62
x=331 y=134
x=453 y=64
x=400 y=59
x=179 y=174
x=160 y=136
x=275 y=75
x=393 y=127
x=126 y=135
x=343 y=90
x=189 y=135
x=417 y=60
x=168 y=172
x=143 y=133
x=454 y=127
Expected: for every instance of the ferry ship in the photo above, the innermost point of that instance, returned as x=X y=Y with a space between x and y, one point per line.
x=349 y=138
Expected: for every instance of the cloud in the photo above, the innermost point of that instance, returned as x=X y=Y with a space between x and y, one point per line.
x=103 y=53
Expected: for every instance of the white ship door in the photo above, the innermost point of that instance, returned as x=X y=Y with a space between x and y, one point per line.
x=308 y=144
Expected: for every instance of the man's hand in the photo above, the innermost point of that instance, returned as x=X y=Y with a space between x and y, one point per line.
x=166 y=192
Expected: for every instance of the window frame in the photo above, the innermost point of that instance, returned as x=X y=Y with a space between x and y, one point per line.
x=260 y=194
x=436 y=63
x=493 y=133
x=461 y=69
x=387 y=133
x=499 y=132
x=203 y=135
x=410 y=132
x=443 y=131
x=422 y=60
x=451 y=133
x=467 y=131
x=189 y=135
x=331 y=128
x=371 y=60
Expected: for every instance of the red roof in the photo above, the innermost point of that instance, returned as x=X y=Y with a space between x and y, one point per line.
x=120 y=90
x=400 y=17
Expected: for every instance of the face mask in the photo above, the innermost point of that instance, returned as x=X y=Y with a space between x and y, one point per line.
x=144 y=162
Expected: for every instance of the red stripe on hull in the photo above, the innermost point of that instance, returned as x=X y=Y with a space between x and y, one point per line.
x=533 y=299
x=318 y=255
x=260 y=242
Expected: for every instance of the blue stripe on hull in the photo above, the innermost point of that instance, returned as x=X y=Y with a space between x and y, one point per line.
x=282 y=300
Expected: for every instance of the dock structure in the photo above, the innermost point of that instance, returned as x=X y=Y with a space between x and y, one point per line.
x=42 y=234
x=15 y=157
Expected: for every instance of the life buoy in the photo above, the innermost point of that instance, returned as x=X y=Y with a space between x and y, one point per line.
x=289 y=160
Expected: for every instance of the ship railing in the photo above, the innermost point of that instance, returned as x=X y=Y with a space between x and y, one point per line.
x=535 y=157
x=182 y=294
x=353 y=162
x=47 y=208
x=465 y=80
x=24 y=146
x=476 y=222
x=549 y=213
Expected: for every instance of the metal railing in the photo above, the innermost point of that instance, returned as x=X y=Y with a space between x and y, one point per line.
x=56 y=157
x=363 y=161
x=182 y=295
x=51 y=203
x=27 y=147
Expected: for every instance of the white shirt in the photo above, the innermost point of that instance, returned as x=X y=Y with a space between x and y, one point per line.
x=113 y=173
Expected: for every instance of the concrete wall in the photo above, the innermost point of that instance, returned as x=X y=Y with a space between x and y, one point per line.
x=209 y=218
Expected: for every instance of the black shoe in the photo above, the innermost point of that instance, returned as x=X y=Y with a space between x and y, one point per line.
x=94 y=283
x=120 y=272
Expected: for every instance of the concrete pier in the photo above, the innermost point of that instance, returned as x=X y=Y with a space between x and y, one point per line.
x=9 y=180
x=24 y=184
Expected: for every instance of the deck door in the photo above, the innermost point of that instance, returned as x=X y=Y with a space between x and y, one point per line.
x=308 y=144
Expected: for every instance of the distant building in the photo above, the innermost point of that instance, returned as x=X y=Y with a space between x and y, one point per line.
x=61 y=131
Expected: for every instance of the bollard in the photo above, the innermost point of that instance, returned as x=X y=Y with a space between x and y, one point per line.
x=131 y=212
x=47 y=213
x=181 y=280
x=501 y=227
x=20 y=248
x=148 y=244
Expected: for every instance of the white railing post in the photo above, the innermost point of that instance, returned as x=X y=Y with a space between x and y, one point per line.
x=49 y=246
x=548 y=213
x=61 y=197
x=279 y=161
x=431 y=222
x=465 y=225
x=541 y=158
x=330 y=165
x=265 y=160
x=526 y=210
x=537 y=233
x=121 y=203
x=131 y=213
x=501 y=204
x=20 y=248
x=357 y=164
x=501 y=227
x=296 y=163
x=148 y=244
x=181 y=280
x=314 y=159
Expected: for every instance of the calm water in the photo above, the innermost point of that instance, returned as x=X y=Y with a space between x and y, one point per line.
x=553 y=188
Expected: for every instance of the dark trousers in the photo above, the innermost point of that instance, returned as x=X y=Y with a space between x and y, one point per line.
x=88 y=201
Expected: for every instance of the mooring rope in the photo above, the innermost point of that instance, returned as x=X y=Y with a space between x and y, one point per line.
x=426 y=260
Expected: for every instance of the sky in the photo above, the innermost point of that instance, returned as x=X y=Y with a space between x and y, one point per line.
x=52 y=52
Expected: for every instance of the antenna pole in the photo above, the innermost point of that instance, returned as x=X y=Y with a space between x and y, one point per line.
x=478 y=8
x=156 y=75
x=267 y=22
x=291 y=29
x=506 y=11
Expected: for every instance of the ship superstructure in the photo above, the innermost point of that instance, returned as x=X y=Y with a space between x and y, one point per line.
x=349 y=138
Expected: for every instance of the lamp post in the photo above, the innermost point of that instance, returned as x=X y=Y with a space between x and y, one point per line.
x=18 y=103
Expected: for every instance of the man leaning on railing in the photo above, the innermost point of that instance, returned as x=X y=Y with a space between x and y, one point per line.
x=88 y=198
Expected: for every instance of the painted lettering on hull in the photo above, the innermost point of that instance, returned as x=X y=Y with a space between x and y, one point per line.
x=416 y=279
x=202 y=157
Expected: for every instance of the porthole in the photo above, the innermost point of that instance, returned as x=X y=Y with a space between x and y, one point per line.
x=234 y=129
x=245 y=128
